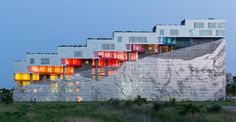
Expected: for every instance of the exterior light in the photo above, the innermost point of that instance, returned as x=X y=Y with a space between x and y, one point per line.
x=86 y=62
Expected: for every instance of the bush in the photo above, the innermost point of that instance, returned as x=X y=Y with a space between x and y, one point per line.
x=172 y=101
x=113 y=102
x=139 y=100
x=189 y=108
x=128 y=103
x=156 y=106
x=6 y=96
x=214 y=108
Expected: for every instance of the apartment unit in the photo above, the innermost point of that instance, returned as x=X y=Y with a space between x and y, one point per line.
x=104 y=58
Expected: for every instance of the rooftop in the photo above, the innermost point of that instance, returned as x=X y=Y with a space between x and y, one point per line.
x=72 y=46
x=100 y=38
x=42 y=53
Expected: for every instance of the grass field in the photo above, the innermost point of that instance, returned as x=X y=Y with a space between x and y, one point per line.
x=114 y=111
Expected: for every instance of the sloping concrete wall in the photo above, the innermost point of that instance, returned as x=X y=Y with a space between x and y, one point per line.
x=199 y=77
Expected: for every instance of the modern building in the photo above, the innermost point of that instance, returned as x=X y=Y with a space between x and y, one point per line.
x=185 y=61
x=229 y=78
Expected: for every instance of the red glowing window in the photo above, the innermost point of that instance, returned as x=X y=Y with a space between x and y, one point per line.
x=72 y=62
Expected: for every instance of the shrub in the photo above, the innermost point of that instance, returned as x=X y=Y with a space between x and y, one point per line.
x=214 y=108
x=139 y=100
x=189 y=108
x=113 y=102
x=172 y=101
x=128 y=103
x=156 y=106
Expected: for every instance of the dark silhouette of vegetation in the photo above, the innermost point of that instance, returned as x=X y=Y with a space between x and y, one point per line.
x=139 y=100
x=156 y=106
x=189 y=108
x=6 y=96
x=231 y=89
x=214 y=108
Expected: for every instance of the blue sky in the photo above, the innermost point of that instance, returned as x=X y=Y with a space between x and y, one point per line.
x=39 y=26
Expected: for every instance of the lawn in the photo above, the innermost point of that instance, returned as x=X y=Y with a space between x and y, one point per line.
x=115 y=111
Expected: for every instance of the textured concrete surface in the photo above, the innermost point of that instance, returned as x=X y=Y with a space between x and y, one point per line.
x=200 y=77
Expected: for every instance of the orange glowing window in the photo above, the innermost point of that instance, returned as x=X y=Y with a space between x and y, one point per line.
x=50 y=69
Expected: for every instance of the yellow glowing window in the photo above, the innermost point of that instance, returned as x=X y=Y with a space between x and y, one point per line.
x=25 y=77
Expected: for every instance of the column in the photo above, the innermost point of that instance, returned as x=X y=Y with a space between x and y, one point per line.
x=128 y=56
x=106 y=67
x=96 y=69
x=31 y=78
x=64 y=72
x=58 y=77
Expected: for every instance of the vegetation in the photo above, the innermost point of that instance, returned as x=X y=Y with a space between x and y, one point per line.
x=231 y=89
x=114 y=110
x=6 y=96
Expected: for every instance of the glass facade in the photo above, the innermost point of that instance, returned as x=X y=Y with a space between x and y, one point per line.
x=162 y=32
x=220 y=33
x=211 y=25
x=45 y=61
x=205 y=32
x=198 y=25
x=140 y=39
x=174 y=32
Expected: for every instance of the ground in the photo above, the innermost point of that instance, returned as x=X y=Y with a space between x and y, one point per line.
x=116 y=111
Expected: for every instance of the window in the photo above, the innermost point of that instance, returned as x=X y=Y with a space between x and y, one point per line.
x=128 y=47
x=174 y=32
x=45 y=61
x=198 y=25
x=211 y=25
x=159 y=40
x=140 y=39
x=108 y=46
x=192 y=33
x=221 y=25
x=205 y=32
x=32 y=61
x=220 y=32
x=162 y=32
x=119 y=39
x=78 y=54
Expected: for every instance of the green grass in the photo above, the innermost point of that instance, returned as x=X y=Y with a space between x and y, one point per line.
x=120 y=111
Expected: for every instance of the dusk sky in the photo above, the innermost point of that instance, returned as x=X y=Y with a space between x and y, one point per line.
x=42 y=25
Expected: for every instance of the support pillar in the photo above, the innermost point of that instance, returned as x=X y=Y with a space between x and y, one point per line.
x=64 y=72
x=58 y=77
x=106 y=67
x=96 y=69
x=128 y=56
x=31 y=78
